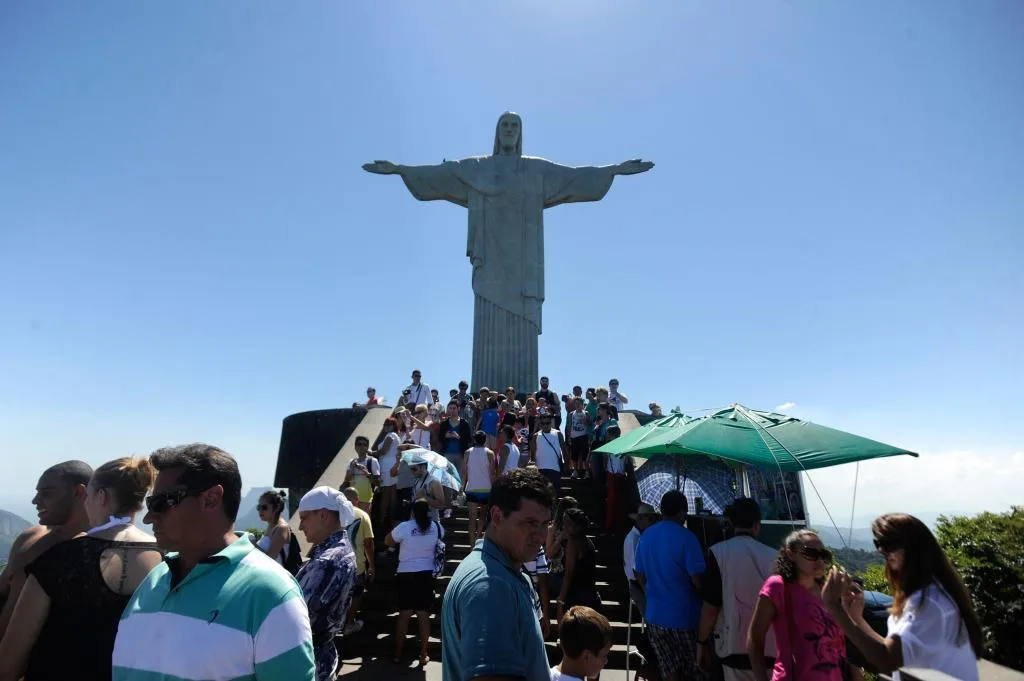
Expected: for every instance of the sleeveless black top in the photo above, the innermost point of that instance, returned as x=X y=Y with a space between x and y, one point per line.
x=583 y=590
x=77 y=640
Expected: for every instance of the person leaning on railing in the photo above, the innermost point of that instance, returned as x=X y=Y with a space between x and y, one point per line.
x=932 y=622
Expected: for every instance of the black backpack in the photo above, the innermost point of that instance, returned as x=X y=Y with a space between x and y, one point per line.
x=293 y=560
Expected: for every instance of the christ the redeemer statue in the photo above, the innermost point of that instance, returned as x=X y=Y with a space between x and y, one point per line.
x=506 y=194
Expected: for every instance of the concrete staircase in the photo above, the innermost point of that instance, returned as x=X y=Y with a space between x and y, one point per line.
x=380 y=607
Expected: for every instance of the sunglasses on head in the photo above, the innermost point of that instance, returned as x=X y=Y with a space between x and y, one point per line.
x=811 y=553
x=161 y=502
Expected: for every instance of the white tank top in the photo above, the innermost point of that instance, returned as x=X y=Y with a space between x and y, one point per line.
x=264 y=544
x=549 y=451
x=512 y=460
x=478 y=471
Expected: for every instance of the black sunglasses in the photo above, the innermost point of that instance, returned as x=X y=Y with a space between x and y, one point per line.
x=883 y=546
x=161 y=502
x=811 y=553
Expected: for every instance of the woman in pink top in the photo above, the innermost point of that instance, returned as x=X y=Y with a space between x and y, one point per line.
x=810 y=643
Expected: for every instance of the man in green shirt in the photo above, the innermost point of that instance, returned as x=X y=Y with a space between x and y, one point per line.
x=217 y=608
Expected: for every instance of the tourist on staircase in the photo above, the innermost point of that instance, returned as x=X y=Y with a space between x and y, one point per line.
x=427 y=487
x=455 y=435
x=579 y=579
x=509 y=453
x=554 y=544
x=360 y=536
x=605 y=420
x=478 y=473
x=417 y=540
x=328 y=578
x=736 y=569
x=537 y=570
x=551 y=400
x=422 y=427
x=276 y=541
x=669 y=563
x=70 y=606
x=615 y=398
x=363 y=473
x=585 y=638
x=489 y=624
x=548 y=451
x=810 y=642
x=490 y=420
x=644 y=517
x=617 y=497
x=418 y=392
x=579 y=427
x=387 y=459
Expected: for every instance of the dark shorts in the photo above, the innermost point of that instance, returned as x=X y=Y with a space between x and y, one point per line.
x=360 y=586
x=415 y=590
x=579 y=448
x=554 y=477
x=478 y=497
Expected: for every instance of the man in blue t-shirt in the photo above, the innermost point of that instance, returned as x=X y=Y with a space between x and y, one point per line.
x=668 y=564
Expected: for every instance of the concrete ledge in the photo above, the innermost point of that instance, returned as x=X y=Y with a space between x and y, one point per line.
x=334 y=475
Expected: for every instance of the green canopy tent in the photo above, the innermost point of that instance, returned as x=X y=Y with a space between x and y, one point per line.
x=756 y=438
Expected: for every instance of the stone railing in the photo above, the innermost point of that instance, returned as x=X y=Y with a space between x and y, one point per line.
x=987 y=671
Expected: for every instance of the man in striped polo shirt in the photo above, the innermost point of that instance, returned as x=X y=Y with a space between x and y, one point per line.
x=217 y=609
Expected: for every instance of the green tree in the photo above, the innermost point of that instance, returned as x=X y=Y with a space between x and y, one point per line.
x=874 y=578
x=256 y=534
x=988 y=552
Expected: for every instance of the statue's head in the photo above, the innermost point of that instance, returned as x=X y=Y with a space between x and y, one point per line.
x=508 y=135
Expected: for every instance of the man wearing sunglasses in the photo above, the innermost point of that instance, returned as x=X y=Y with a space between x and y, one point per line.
x=217 y=607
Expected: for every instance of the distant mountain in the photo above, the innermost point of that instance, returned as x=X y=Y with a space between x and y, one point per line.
x=862 y=538
x=10 y=527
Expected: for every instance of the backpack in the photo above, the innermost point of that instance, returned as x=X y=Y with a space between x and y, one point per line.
x=293 y=560
x=439 y=553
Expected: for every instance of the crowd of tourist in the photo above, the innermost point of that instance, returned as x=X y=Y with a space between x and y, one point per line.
x=87 y=594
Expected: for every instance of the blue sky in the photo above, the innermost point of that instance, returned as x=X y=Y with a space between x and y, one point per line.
x=189 y=249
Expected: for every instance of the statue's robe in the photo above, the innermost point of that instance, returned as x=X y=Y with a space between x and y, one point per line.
x=506 y=197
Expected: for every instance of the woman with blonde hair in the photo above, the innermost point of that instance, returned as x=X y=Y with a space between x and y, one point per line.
x=810 y=643
x=71 y=605
x=932 y=622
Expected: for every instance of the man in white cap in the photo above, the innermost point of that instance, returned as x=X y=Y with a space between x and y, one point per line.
x=642 y=519
x=328 y=579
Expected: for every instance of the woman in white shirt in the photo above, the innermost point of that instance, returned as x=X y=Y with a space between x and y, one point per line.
x=416 y=540
x=932 y=622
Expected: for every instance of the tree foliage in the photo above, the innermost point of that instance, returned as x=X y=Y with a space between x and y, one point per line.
x=856 y=561
x=988 y=552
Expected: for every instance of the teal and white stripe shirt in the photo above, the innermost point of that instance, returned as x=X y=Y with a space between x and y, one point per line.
x=236 y=615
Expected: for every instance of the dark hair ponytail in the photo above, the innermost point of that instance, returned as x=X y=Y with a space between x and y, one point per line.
x=275 y=499
x=421 y=514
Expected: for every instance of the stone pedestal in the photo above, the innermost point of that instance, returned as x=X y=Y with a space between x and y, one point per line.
x=504 y=349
